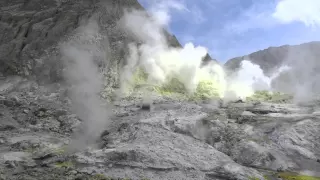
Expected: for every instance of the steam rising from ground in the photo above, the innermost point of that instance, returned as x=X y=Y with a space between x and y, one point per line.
x=86 y=82
x=159 y=61
x=163 y=63
x=302 y=80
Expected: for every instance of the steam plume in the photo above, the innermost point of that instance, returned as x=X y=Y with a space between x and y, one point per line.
x=162 y=62
x=82 y=73
x=302 y=78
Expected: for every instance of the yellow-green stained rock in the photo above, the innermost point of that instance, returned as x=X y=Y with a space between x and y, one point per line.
x=294 y=176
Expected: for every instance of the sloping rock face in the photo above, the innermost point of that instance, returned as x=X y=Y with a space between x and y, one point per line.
x=171 y=140
x=32 y=29
x=36 y=125
x=267 y=59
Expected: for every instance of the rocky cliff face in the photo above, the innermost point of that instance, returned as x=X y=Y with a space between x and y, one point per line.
x=32 y=29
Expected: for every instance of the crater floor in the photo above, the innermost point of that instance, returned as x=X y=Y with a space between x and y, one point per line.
x=171 y=140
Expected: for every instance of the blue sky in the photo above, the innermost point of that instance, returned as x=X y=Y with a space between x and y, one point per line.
x=230 y=28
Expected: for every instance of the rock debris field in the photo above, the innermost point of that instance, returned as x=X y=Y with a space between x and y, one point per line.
x=171 y=140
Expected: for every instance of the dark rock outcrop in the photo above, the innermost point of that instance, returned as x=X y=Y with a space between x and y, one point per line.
x=31 y=30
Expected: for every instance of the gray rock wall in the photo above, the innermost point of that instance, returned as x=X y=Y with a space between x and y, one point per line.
x=32 y=29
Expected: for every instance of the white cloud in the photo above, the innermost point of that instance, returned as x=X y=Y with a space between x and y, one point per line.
x=257 y=16
x=247 y=22
x=161 y=10
x=305 y=11
x=274 y=13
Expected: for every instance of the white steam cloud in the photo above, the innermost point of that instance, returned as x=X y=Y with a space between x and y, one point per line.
x=82 y=73
x=162 y=62
x=307 y=12
x=302 y=78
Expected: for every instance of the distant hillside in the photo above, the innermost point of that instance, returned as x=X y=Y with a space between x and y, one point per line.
x=273 y=57
x=303 y=59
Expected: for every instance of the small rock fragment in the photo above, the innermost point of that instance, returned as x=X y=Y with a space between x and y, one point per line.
x=73 y=172
x=146 y=107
